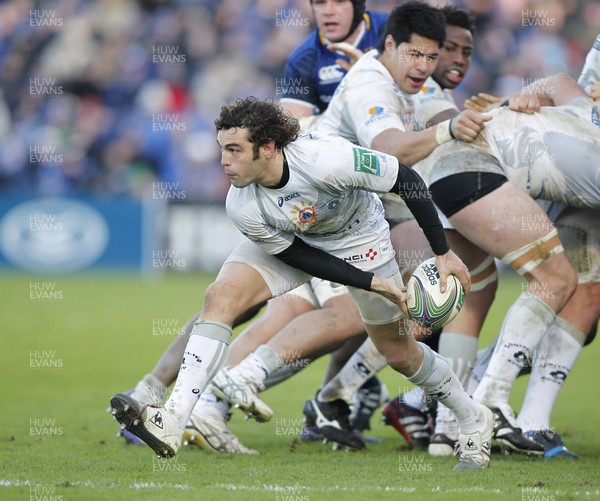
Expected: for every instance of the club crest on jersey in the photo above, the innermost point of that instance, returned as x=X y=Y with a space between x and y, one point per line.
x=304 y=213
x=366 y=161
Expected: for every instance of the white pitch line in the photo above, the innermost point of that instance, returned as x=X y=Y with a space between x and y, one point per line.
x=280 y=488
x=93 y=485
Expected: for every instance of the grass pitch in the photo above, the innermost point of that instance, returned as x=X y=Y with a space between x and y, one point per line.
x=68 y=343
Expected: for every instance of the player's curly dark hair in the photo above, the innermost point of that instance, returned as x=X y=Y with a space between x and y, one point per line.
x=414 y=17
x=459 y=17
x=264 y=120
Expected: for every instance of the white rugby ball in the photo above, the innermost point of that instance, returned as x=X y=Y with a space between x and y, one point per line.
x=426 y=304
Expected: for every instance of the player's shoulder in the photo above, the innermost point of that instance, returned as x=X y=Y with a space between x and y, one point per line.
x=375 y=27
x=307 y=50
x=376 y=20
x=319 y=148
x=318 y=141
x=239 y=200
x=430 y=88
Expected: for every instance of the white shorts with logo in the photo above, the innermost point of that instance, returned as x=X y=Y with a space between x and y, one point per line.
x=282 y=278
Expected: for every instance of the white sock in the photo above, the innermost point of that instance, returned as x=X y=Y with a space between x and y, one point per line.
x=524 y=326
x=203 y=357
x=282 y=374
x=481 y=364
x=208 y=402
x=365 y=363
x=437 y=379
x=553 y=359
x=460 y=351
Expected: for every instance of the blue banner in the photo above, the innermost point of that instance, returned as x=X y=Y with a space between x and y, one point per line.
x=62 y=235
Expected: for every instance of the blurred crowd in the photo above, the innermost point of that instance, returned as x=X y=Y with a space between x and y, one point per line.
x=118 y=97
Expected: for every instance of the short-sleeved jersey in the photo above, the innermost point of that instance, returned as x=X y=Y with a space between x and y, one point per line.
x=329 y=202
x=552 y=154
x=429 y=102
x=311 y=73
x=366 y=103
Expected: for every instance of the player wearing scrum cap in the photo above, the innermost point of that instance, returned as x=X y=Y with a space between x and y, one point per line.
x=314 y=70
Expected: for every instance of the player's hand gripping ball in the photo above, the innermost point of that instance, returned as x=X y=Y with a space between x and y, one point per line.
x=426 y=304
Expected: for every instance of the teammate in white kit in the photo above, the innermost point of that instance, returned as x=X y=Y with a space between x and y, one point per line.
x=304 y=207
x=551 y=154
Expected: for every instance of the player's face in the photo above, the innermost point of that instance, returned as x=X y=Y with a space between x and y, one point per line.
x=455 y=57
x=237 y=157
x=333 y=18
x=412 y=62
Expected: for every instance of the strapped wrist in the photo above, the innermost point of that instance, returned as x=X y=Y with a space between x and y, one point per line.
x=443 y=132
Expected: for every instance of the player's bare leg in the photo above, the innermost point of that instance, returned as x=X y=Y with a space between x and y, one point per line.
x=237 y=287
x=459 y=339
x=152 y=388
x=555 y=355
x=207 y=426
x=498 y=227
x=428 y=370
x=305 y=338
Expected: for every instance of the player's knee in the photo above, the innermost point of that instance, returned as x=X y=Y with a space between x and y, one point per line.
x=566 y=281
x=399 y=360
x=224 y=295
x=590 y=293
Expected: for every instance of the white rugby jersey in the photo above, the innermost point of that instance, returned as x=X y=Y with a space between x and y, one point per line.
x=552 y=154
x=366 y=103
x=429 y=102
x=329 y=201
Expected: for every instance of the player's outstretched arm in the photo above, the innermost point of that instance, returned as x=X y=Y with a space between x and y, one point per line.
x=412 y=147
x=551 y=91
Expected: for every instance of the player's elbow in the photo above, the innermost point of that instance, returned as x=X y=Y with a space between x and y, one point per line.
x=391 y=142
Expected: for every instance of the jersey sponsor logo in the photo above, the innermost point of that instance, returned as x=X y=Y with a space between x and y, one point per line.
x=366 y=161
x=304 y=213
x=376 y=113
x=370 y=255
x=427 y=90
x=330 y=74
x=287 y=198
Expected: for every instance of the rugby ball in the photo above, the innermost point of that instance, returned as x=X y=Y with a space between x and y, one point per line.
x=426 y=304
